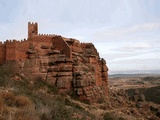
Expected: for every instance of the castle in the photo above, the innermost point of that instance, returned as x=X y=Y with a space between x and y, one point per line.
x=16 y=50
x=64 y=62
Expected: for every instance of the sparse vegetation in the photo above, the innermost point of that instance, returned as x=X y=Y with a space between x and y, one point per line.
x=69 y=103
x=151 y=94
x=23 y=99
x=41 y=84
x=14 y=107
x=36 y=100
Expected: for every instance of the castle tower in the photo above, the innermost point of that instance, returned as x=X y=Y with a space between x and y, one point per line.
x=32 y=29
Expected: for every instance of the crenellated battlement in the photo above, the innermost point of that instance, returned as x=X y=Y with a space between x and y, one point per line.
x=32 y=23
x=32 y=29
x=23 y=40
x=50 y=35
x=2 y=43
x=11 y=41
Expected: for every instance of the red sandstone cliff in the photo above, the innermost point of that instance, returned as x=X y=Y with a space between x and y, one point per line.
x=64 y=62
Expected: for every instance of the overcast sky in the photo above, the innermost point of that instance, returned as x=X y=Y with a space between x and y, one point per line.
x=125 y=32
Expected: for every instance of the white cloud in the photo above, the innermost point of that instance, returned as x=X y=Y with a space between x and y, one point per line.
x=144 y=27
x=118 y=32
x=139 y=45
x=134 y=47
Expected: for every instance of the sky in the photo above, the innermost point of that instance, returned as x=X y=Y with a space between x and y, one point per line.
x=125 y=32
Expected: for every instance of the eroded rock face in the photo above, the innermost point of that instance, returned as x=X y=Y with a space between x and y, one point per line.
x=85 y=73
x=71 y=66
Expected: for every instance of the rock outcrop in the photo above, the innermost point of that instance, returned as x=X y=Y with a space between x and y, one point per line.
x=71 y=66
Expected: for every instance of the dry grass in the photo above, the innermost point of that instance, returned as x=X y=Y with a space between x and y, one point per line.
x=22 y=101
x=18 y=107
x=8 y=98
x=14 y=107
x=26 y=101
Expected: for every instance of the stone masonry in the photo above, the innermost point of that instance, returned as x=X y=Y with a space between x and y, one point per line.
x=64 y=62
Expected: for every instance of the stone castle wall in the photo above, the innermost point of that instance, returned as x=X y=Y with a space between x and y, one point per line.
x=2 y=53
x=13 y=50
x=16 y=50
